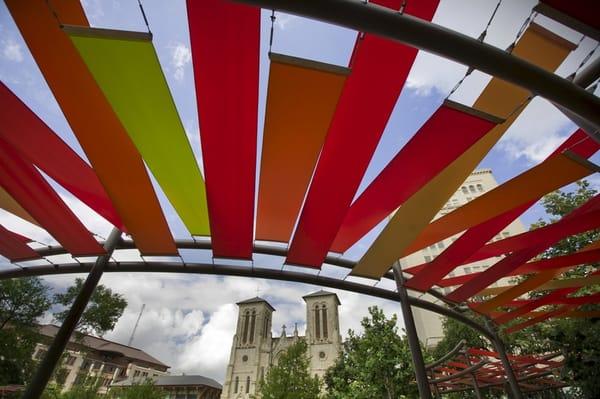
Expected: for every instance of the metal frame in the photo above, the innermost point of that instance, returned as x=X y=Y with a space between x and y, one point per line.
x=372 y=18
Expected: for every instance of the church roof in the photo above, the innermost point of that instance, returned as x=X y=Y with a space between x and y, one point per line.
x=322 y=293
x=256 y=299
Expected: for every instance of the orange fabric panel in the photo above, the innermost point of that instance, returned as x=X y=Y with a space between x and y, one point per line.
x=538 y=46
x=8 y=203
x=301 y=100
x=101 y=135
x=564 y=168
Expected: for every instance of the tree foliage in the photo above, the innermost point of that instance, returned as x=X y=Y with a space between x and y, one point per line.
x=376 y=364
x=22 y=301
x=290 y=378
x=143 y=390
x=101 y=314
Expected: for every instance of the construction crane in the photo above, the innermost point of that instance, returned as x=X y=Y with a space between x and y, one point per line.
x=136 y=325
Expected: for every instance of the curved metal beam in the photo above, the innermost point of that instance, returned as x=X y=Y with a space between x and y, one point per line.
x=243 y=271
x=466 y=371
x=436 y=39
x=448 y=355
x=263 y=249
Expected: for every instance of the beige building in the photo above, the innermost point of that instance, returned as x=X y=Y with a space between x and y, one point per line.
x=254 y=349
x=99 y=360
x=429 y=325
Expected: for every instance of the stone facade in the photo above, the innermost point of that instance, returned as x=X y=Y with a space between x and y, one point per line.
x=254 y=349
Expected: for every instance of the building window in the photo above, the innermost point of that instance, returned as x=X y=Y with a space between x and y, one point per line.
x=472 y=189
x=136 y=374
x=266 y=327
x=505 y=234
x=237 y=385
x=246 y=321
x=464 y=190
x=440 y=245
x=427 y=258
x=317 y=323
x=467 y=270
x=324 y=312
x=248 y=384
x=244 y=358
x=70 y=360
x=262 y=373
x=252 y=322
x=480 y=188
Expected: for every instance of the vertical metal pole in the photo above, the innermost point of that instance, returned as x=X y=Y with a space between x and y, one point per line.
x=473 y=378
x=436 y=391
x=411 y=334
x=510 y=375
x=48 y=364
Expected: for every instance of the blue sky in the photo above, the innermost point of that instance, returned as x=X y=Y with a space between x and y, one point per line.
x=201 y=317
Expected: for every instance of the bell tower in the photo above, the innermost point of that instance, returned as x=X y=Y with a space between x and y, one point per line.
x=322 y=330
x=251 y=349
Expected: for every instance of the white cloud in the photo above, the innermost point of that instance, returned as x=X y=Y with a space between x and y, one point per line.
x=12 y=51
x=189 y=321
x=181 y=56
x=538 y=131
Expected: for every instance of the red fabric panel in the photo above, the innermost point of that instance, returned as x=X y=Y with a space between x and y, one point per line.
x=586 y=11
x=225 y=49
x=379 y=71
x=558 y=262
x=37 y=143
x=460 y=251
x=584 y=218
x=539 y=319
x=27 y=186
x=14 y=246
x=453 y=132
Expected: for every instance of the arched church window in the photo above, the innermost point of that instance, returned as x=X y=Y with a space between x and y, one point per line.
x=237 y=385
x=317 y=323
x=245 y=333
x=252 y=322
x=324 y=313
x=266 y=326
x=248 y=384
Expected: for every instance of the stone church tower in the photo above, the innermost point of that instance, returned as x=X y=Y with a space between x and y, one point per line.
x=254 y=349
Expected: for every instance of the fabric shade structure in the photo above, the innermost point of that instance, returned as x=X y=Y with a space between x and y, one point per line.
x=113 y=156
x=530 y=185
x=226 y=76
x=27 y=186
x=9 y=204
x=463 y=249
x=528 y=285
x=585 y=11
x=461 y=127
x=301 y=99
x=14 y=246
x=556 y=263
x=36 y=142
x=577 y=282
x=127 y=70
x=498 y=98
x=582 y=219
x=415 y=214
x=355 y=130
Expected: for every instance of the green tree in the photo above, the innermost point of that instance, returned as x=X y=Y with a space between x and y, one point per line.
x=22 y=301
x=577 y=339
x=290 y=378
x=101 y=314
x=376 y=364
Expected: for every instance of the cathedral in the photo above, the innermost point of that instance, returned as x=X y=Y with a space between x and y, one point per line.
x=254 y=349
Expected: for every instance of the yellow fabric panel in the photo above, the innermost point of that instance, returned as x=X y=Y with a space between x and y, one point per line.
x=9 y=204
x=412 y=217
x=499 y=98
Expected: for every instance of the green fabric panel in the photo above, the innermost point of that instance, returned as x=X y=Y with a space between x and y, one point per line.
x=129 y=73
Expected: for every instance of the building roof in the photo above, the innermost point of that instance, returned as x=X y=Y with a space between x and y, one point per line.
x=103 y=345
x=322 y=293
x=175 y=380
x=256 y=299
